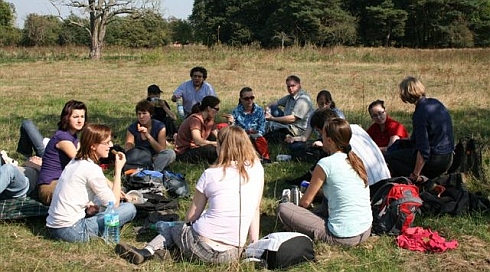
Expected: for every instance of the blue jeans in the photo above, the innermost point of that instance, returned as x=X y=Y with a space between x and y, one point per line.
x=86 y=228
x=30 y=138
x=13 y=183
x=163 y=159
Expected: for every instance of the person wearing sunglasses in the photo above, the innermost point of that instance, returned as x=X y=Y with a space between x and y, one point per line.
x=297 y=107
x=196 y=138
x=194 y=90
x=251 y=117
x=385 y=130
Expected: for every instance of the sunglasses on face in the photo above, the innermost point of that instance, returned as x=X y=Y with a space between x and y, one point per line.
x=248 y=98
x=379 y=114
x=216 y=109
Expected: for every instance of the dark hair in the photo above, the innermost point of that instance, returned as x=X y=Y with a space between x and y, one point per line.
x=207 y=101
x=244 y=90
x=320 y=116
x=375 y=103
x=328 y=97
x=92 y=134
x=340 y=132
x=145 y=105
x=293 y=78
x=66 y=112
x=154 y=89
x=199 y=69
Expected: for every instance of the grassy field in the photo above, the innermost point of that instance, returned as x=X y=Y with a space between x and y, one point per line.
x=35 y=83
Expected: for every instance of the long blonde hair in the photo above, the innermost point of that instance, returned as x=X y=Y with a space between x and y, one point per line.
x=235 y=148
x=340 y=132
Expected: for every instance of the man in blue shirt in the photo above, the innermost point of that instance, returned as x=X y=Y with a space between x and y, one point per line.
x=194 y=90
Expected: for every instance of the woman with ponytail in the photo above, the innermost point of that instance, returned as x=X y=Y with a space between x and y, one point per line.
x=344 y=183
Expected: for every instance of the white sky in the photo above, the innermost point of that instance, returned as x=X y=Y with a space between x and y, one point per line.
x=177 y=8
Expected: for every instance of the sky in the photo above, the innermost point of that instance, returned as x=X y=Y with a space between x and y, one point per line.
x=180 y=9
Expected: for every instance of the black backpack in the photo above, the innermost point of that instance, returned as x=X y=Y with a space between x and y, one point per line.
x=455 y=199
x=394 y=206
x=468 y=158
x=280 y=250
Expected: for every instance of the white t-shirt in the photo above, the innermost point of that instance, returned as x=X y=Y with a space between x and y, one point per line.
x=80 y=182
x=367 y=150
x=221 y=220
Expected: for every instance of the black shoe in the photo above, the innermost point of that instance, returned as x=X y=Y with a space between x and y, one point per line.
x=132 y=254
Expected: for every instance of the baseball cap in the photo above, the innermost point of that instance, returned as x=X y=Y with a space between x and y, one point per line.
x=154 y=89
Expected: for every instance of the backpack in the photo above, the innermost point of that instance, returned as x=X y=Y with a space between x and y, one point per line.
x=280 y=250
x=394 y=206
x=454 y=198
x=468 y=158
x=138 y=157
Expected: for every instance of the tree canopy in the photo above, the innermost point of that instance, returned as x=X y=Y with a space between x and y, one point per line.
x=273 y=23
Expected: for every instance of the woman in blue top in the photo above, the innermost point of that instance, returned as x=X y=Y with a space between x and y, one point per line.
x=149 y=134
x=251 y=117
x=432 y=136
x=61 y=148
x=344 y=183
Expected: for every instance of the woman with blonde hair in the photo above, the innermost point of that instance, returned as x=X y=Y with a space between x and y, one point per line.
x=83 y=187
x=232 y=190
x=344 y=183
x=432 y=136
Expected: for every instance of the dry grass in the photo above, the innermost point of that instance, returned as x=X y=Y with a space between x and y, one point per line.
x=35 y=84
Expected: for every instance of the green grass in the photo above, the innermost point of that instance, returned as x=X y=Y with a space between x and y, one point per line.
x=36 y=82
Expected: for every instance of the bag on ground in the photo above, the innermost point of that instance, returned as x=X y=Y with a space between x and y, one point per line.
x=138 y=157
x=394 y=206
x=175 y=184
x=448 y=194
x=468 y=158
x=280 y=250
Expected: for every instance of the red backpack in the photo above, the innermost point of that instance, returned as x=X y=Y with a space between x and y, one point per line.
x=394 y=206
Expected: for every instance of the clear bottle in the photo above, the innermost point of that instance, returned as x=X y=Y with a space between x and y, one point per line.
x=162 y=226
x=180 y=108
x=304 y=185
x=111 y=224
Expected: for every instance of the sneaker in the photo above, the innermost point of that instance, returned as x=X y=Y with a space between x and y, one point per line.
x=132 y=254
x=163 y=255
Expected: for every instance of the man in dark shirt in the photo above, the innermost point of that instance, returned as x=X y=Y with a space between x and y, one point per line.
x=162 y=113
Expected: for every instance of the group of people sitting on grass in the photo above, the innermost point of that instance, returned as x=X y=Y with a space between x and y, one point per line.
x=221 y=216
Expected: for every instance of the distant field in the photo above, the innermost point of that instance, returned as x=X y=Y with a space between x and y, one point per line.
x=35 y=83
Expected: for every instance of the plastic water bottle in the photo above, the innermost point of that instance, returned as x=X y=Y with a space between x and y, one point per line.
x=180 y=108
x=304 y=185
x=162 y=226
x=111 y=224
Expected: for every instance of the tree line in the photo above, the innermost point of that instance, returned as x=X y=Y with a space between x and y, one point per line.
x=270 y=24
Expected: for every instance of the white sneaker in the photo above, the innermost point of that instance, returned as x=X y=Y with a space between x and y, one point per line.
x=7 y=159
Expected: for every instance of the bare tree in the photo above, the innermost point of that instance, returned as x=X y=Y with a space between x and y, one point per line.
x=283 y=37
x=101 y=13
